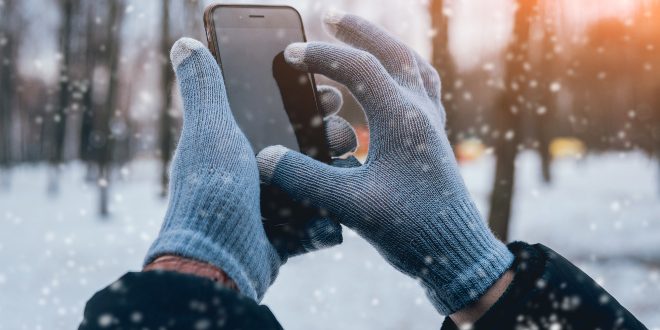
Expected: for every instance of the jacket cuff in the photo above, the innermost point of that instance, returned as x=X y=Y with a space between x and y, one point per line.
x=528 y=266
x=194 y=245
x=172 y=300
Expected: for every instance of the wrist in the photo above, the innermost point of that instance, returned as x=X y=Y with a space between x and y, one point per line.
x=191 y=267
x=472 y=313
x=244 y=255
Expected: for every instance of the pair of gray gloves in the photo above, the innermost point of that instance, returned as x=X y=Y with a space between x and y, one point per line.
x=408 y=199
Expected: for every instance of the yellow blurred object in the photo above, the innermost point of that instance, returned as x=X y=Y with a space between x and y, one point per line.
x=567 y=147
x=469 y=150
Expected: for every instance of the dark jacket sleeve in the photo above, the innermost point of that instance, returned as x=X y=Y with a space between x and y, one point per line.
x=549 y=292
x=169 y=300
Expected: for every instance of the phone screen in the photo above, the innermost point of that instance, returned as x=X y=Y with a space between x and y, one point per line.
x=271 y=102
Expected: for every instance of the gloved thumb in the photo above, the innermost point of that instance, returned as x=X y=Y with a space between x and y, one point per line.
x=302 y=177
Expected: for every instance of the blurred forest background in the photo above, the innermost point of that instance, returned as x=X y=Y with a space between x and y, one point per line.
x=554 y=114
x=91 y=82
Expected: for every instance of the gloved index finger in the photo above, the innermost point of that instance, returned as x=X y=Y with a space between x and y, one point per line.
x=358 y=70
x=395 y=56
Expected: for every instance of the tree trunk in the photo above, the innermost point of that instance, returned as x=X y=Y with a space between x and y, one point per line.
x=167 y=78
x=110 y=106
x=546 y=157
x=548 y=100
x=443 y=62
x=104 y=193
x=56 y=156
x=86 y=150
x=65 y=79
x=508 y=120
x=7 y=83
x=502 y=193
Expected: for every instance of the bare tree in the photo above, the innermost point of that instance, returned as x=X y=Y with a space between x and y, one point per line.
x=507 y=119
x=652 y=29
x=88 y=62
x=168 y=126
x=167 y=78
x=8 y=76
x=443 y=61
x=544 y=74
x=59 y=120
x=107 y=109
x=547 y=106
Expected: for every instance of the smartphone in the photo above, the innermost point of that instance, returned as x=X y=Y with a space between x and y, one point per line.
x=271 y=102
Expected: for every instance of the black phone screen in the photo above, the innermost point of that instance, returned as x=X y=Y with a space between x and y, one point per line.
x=271 y=102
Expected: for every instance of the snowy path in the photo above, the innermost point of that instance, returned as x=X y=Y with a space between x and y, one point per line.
x=602 y=212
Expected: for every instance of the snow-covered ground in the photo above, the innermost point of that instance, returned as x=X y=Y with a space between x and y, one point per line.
x=602 y=212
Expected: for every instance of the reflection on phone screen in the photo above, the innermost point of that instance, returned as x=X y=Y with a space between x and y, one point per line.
x=265 y=94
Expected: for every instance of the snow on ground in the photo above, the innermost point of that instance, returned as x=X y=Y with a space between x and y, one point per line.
x=601 y=212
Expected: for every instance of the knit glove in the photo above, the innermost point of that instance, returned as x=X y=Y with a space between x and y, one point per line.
x=408 y=199
x=214 y=212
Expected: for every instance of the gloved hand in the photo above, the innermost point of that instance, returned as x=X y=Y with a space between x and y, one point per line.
x=408 y=199
x=213 y=212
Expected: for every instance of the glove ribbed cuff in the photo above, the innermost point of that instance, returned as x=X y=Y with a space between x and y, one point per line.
x=194 y=245
x=469 y=262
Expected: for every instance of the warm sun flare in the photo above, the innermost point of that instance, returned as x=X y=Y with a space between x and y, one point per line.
x=587 y=10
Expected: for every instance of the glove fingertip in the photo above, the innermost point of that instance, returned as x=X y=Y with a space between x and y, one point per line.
x=323 y=233
x=331 y=20
x=182 y=49
x=294 y=54
x=330 y=99
x=267 y=161
x=341 y=136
